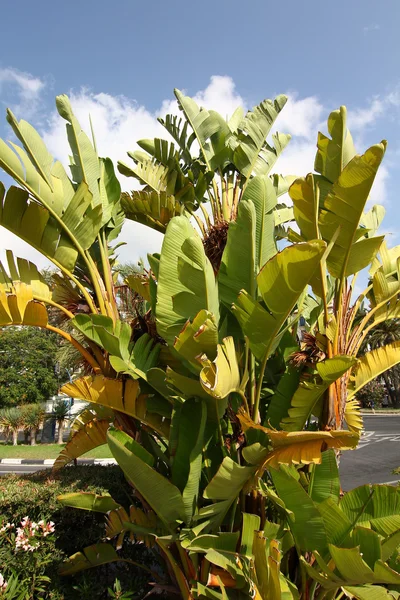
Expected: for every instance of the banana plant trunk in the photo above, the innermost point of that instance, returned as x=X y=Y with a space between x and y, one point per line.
x=60 y=431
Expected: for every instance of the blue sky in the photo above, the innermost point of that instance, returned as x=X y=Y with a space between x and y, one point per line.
x=121 y=60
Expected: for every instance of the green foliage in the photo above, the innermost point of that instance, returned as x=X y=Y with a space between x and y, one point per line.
x=223 y=415
x=36 y=496
x=27 y=362
x=372 y=394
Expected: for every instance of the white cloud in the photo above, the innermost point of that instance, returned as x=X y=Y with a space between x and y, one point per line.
x=23 y=88
x=362 y=117
x=373 y=27
x=300 y=117
x=119 y=121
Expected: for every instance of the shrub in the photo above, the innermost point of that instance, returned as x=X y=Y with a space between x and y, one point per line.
x=35 y=496
x=372 y=394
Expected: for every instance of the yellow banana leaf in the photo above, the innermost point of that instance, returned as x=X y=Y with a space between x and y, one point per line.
x=20 y=308
x=221 y=376
x=119 y=395
x=92 y=435
x=373 y=364
x=154 y=209
x=353 y=416
x=299 y=447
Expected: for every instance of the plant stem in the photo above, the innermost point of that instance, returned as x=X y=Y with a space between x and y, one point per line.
x=88 y=357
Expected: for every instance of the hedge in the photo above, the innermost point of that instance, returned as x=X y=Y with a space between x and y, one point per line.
x=35 y=495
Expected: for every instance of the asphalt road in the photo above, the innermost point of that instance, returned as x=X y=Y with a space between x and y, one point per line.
x=376 y=456
x=373 y=461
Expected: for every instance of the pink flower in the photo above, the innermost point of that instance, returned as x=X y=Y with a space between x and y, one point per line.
x=3 y=583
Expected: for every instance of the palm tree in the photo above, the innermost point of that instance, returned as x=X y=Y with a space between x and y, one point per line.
x=32 y=417
x=11 y=421
x=60 y=413
x=379 y=336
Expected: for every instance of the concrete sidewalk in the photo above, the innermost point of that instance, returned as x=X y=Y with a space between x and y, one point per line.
x=48 y=462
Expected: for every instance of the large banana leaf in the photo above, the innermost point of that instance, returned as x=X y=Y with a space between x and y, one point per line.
x=23 y=271
x=210 y=129
x=298 y=447
x=18 y=293
x=66 y=216
x=186 y=282
x=304 y=520
x=91 y=435
x=281 y=282
x=324 y=480
x=221 y=377
x=376 y=506
x=238 y=268
x=58 y=238
x=252 y=154
x=163 y=497
x=261 y=192
x=334 y=154
x=309 y=392
x=92 y=556
x=344 y=207
x=89 y=501
x=228 y=481
x=372 y=364
x=154 y=209
x=119 y=395
x=86 y=166
x=188 y=457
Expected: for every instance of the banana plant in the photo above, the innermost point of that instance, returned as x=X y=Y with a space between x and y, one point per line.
x=73 y=221
x=208 y=161
x=330 y=205
x=221 y=405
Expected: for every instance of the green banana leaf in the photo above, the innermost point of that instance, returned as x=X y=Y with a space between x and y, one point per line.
x=163 y=497
x=186 y=282
x=89 y=501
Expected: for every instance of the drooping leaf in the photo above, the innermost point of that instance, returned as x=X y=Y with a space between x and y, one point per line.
x=372 y=364
x=91 y=435
x=197 y=338
x=154 y=209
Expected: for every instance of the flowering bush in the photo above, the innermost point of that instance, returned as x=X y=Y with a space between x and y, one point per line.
x=22 y=558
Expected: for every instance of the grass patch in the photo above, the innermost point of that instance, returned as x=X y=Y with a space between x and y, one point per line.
x=43 y=451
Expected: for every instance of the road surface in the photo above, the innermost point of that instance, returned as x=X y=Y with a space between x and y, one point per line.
x=373 y=461
x=377 y=455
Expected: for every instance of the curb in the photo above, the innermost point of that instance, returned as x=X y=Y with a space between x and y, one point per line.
x=49 y=462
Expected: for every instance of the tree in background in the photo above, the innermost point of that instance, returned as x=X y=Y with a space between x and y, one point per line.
x=60 y=414
x=11 y=422
x=372 y=395
x=27 y=362
x=32 y=417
